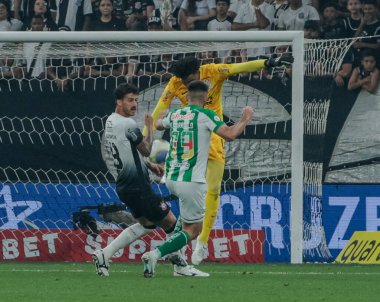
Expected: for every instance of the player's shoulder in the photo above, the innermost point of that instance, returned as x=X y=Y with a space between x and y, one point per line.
x=118 y=119
x=209 y=114
x=230 y=19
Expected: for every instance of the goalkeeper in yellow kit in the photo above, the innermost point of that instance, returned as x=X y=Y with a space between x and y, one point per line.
x=187 y=70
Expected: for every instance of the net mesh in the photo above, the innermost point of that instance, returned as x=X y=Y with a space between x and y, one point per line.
x=56 y=191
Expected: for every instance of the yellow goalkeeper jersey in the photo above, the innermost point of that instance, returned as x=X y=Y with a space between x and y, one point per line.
x=214 y=76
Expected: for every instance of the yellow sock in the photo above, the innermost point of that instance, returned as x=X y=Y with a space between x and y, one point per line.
x=212 y=205
x=214 y=176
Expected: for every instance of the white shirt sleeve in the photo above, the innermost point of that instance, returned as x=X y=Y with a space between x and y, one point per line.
x=185 y=4
x=16 y=24
x=211 y=4
x=313 y=13
x=87 y=7
x=269 y=13
x=234 y=6
x=240 y=14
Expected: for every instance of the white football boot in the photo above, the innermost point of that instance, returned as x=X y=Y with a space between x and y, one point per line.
x=150 y=261
x=200 y=253
x=188 y=271
x=101 y=263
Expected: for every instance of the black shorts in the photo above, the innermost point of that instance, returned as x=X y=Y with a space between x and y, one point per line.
x=144 y=204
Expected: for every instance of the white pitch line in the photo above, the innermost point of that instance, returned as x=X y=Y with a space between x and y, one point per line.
x=211 y=272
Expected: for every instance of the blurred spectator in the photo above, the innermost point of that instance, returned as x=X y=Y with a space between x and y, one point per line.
x=254 y=15
x=159 y=66
x=331 y=28
x=221 y=22
x=342 y=8
x=296 y=15
x=283 y=72
x=63 y=69
x=234 y=7
x=351 y=23
x=236 y=56
x=194 y=15
x=167 y=10
x=155 y=24
x=366 y=75
x=8 y=67
x=106 y=21
x=343 y=75
x=24 y=9
x=168 y=18
x=119 y=8
x=279 y=7
x=312 y=30
x=208 y=57
x=106 y=66
x=76 y=14
x=35 y=55
x=369 y=27
x=6 y=22
x=136 y=15
x=40 y=8
x=313 y=3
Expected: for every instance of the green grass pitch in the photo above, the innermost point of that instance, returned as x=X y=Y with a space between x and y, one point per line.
x=228 y=282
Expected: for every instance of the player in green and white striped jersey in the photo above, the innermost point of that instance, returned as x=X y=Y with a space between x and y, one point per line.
x=190 y=130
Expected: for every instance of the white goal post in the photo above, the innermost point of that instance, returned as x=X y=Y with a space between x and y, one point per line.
x=294 y=38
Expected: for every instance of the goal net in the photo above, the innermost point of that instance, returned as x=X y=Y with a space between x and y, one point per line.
x=58 y=202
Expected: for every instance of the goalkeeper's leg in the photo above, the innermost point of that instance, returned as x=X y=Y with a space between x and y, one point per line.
x=214 y=177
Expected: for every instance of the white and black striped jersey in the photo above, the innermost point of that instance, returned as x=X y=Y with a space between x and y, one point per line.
x=71 y=13
x=119 y=151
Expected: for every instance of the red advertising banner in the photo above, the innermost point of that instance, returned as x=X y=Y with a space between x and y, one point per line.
x=75 y=245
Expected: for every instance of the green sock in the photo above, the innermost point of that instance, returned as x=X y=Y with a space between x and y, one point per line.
x=174 y=243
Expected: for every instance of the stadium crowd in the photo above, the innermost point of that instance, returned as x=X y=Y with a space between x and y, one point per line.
x=318 y=18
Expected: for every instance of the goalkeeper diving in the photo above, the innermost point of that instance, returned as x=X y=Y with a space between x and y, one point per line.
x=187 y=70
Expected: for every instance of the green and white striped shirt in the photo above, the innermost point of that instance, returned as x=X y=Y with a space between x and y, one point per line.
x=190 y=130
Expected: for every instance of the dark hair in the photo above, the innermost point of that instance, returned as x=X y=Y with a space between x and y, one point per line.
x=7 y=7
x=312 y=24
x=329 y=4
x=226 y=1
x=123 y=89
x=186 y=66
x=368 y=53
x=37 y=17
x=197 y=86
x=370 y=2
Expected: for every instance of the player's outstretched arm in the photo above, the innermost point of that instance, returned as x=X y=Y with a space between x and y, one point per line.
x=230 y=133
x=145 y=146
x=159 y=123
x=255 y=65
x=162 y=105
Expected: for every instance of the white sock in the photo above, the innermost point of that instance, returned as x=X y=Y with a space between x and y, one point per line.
x=125 y=238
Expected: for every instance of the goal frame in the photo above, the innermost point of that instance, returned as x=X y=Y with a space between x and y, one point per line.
x=295 y=38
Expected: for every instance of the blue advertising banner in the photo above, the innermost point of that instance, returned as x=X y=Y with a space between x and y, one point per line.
x=345 y=208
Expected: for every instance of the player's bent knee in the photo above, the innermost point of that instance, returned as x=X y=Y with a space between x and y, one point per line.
x=193 y=229
x=168 y=222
